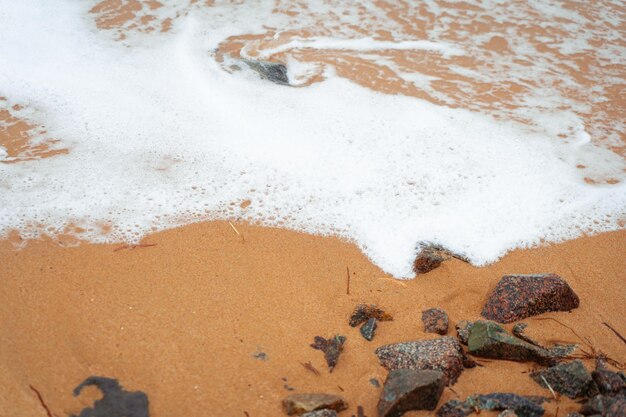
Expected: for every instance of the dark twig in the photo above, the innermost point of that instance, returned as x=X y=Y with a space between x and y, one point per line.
x=41 y=401
x=611 y=328
x=348 y=281
x=309 y=367
x=131 y=247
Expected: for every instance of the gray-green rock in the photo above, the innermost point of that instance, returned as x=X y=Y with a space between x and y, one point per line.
x=320 y=413
x=407 y=389
x=570 y=378
x=490 y=340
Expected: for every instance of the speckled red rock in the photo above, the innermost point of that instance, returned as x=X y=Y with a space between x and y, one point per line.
x=519 y=296
x=443 y=354
x=435 y=321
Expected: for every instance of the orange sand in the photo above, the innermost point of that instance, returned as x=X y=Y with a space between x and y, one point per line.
x=182 y=320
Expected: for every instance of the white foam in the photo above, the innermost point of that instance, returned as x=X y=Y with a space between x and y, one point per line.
x=366 y=44
x=160 y=135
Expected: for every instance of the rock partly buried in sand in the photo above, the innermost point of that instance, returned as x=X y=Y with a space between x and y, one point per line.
x=321 y=413
x=519 y=296
x=443 y=354
x=490 y=340
x=508 y=413
x=271 y=71
x=364 y=312
x=115 y=402
x=520 y=405
x=463 y=329
x=369 y=329
x=407 y=389
x=570 y=378
x=430 y=256
x=605 y=405
x=332 y=348
x=608 y=382
x=305 y=403
x=435 y=321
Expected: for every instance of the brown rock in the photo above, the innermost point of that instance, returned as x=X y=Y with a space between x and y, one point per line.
x=305 y=403
x=443 y=354
x=332 y=348
x=519 y=296
x=407 y=389
x=435 y=321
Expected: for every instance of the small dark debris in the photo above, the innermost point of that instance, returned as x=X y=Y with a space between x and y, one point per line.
x=368 y=330
x=375 y=382
x=262 y=356
x=115 y=401
x=332 y=348
x=364 y=312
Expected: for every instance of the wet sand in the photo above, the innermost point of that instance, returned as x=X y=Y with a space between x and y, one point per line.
x=183 y=320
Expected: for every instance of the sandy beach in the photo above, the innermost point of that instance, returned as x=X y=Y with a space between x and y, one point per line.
x=183 y=320
x=336 y=137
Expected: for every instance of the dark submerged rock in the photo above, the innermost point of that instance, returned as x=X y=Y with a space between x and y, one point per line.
x=369 y=329
x=519 y=296
x=364 y=312
x=332 y=348
x=407 y=389
x=115 y=401
x=490 y=340
x=571 y=379
x=443 y=354
x=321 y=413
x=271 y=71
x=435 y=321
x=306 y=403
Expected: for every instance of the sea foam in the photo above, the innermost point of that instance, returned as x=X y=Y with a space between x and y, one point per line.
x=159 y=135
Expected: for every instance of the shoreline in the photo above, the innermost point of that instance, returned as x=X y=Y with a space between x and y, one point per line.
x=185 y=320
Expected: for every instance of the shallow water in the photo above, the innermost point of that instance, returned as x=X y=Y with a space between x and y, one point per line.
x=479 y=127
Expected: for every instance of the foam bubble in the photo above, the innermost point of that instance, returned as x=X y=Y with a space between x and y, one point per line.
x=160 y=135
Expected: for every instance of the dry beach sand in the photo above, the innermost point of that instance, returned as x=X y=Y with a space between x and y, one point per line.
x=216 y=319
x=183 y=320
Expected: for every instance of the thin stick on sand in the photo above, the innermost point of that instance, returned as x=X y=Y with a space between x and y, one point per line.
x=41 y=401
x=614 y=331
x=243 y=239
x=348 y=281
x=131 y=247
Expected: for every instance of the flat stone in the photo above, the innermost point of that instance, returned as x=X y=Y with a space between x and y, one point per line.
x=443 y=354
x=608 y=382
x=407 y=389
x=519 y=296
x=321 y=413
x=454 y=408
x=490 y=340
x=522 y=406
x=435 y=321
x=368 y=330
x=571 y=379
x=332 y=348
x=364 y=312
x=305 y=403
